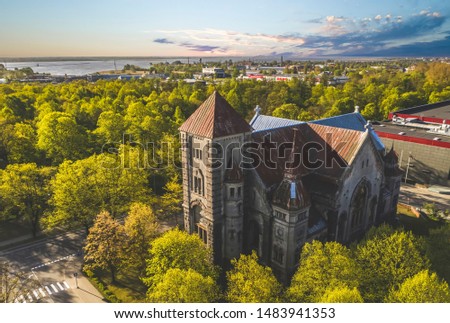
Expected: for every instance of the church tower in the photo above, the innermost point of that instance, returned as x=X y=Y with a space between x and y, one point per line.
x=290 y=203
x=213 y=182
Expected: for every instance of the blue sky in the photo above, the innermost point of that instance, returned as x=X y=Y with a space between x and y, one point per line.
x=307 y=28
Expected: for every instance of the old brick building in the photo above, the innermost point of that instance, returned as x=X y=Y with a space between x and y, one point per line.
x=273 y=184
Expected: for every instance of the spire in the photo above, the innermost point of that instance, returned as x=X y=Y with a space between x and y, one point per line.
x=292 y=168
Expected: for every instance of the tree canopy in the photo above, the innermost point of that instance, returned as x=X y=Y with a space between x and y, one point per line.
x=387 y=260
x=184 y=286
x=323 y=266
x=25 y=191
x=250 y=282
x=178 y=249
x=141 y=227
x=423 y=287
x=105 y=245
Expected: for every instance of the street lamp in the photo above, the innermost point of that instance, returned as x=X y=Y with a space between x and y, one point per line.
x=76 y=279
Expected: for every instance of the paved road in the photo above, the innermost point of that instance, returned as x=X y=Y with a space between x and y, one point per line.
x=417 y=196
x=53 y=262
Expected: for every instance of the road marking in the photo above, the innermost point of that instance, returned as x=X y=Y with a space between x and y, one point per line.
x=54 y=288
x=22 y=299
x=53 y=261
x=42 y=292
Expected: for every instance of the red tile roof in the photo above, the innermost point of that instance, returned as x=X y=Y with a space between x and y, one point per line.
x=336 y=142
x=215 y=118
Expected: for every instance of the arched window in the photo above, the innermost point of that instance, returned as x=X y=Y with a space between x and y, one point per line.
x=358 y=206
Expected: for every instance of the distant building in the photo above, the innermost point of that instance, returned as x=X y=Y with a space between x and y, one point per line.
x=421 y=136
x=336 y=80
x=275 y=184
x=214 y=71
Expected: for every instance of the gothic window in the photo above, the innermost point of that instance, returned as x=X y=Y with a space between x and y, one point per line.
x=232 y=192
x=198 y=184
x=239 y=191
x=358 y=206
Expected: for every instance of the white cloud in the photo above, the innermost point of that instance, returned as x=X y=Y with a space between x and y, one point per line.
x=334 y=19
x=378 y=17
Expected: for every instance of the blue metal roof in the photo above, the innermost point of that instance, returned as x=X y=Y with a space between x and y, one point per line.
x=261 y=122
x=352 y=121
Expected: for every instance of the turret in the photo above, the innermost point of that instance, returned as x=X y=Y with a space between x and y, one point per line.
x=291 y=205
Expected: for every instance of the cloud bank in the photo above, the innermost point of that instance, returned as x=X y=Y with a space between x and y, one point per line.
x=422 y=34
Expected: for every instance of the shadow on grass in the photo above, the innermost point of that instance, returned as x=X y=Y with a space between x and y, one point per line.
x=128 y=288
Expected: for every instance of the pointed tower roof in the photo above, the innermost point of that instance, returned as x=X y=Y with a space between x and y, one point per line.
x=391 y=167
x=215 y=118
x=290 y=194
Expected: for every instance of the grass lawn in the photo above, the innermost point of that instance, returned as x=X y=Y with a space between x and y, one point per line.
x=128 y=288
x=419 y=226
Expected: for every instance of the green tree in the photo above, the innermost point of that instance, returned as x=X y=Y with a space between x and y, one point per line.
x=322 y=266
x=105 y=245
x=170 y=203
x=439 y=74
x=386 y=260
x=19 y=143
x=342 y=295
x=250 y=282
x=371 y=112
x=423 y=287
x=287 y=111
x=25 y=190
x=14 y=283
x=141 y=228
x=184 y=286
x=61 y=138
x=85 y=187
x=110 y=127
x=438 y=250
x=178 y=249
